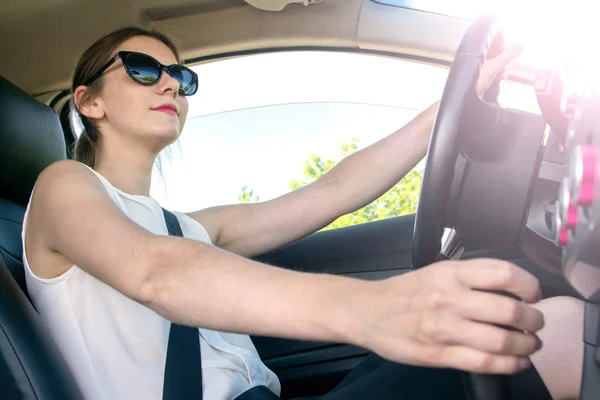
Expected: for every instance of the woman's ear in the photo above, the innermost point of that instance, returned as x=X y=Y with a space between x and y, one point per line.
x=87 y=104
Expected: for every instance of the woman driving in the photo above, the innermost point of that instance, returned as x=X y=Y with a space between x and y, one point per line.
x=108 y=280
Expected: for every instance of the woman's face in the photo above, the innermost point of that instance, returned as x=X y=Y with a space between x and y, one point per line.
x=156 y=111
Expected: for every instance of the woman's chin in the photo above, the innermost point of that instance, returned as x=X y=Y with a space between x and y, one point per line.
x=165 y=137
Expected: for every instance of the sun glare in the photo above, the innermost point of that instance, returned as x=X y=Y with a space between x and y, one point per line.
x=556 y=34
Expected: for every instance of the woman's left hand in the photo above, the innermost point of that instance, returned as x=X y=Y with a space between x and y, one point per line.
x=497 y=65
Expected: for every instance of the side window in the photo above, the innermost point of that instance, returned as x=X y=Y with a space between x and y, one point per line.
x=263 y=125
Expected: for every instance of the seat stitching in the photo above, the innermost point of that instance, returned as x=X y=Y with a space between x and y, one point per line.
x=19 y=359
x=5 y=218
x=12 y=256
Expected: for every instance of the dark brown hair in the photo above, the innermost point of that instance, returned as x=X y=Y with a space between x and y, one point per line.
x=90 y=62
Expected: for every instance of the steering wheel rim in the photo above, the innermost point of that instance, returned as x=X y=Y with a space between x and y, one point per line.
x=442 y=156
x=443 y=150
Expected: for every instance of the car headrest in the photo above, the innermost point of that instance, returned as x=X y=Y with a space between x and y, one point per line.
x=31 y=138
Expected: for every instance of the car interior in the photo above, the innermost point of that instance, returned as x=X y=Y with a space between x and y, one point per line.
x=498 y=182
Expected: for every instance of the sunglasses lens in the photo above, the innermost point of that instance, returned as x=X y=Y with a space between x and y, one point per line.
x=142 y=68
x=188 y=82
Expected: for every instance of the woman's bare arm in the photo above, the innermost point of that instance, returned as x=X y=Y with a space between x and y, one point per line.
x=435 y=316
x=185 y=280
x=359 y=179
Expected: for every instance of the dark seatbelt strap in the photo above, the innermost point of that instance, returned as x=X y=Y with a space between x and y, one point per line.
x=183 y=368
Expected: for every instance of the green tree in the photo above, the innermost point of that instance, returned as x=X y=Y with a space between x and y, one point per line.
x=247 y=196
x=400 y=200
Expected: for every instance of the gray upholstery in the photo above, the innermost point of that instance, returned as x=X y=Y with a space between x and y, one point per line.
x=31 y=138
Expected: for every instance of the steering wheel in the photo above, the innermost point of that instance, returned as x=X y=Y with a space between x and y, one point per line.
x=442 y=171
x=459 y=97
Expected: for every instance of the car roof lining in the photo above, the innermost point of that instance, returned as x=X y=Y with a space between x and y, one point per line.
x=48 y=37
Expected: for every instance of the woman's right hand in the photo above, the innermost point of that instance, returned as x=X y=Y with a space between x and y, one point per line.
x=442 y=316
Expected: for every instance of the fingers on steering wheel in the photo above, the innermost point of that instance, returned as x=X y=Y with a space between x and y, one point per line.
x=472 y=360
x=497 y=309
x=479 y=336
x=499 y=275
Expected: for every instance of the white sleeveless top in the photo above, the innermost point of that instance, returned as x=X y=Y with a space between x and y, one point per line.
x=116 y=347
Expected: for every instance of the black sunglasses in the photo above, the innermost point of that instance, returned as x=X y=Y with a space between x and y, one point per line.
x=146 y=70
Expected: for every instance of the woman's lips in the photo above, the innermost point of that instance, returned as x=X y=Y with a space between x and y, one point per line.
x=166 y=109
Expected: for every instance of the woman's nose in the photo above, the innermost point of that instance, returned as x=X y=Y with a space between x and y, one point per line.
x=167 y=83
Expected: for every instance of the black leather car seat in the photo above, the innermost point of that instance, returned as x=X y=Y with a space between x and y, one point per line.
x=31 y=138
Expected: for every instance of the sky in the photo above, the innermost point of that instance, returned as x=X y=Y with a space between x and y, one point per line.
x=256 y=119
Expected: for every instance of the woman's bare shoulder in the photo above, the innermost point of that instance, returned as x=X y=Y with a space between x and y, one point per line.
x=64 y=171
x=73 y=217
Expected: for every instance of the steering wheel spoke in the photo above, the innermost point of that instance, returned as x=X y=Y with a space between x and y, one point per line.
x=452 y=247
